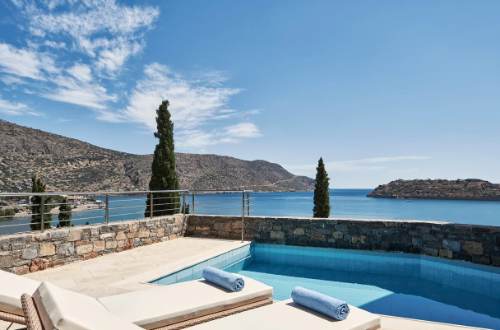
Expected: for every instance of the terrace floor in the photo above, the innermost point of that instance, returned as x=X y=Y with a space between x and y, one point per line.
x=130 y=270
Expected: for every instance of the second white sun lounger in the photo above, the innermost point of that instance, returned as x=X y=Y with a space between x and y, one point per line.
x=287 y=315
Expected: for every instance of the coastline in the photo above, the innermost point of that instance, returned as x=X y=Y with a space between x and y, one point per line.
x=78 y=208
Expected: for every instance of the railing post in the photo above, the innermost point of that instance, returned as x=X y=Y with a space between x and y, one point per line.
x=248 y=203
x=106 y=208
x=192 y=203
x=42 y=211
x=183 y=202
x=151 y=204
x=243 y=216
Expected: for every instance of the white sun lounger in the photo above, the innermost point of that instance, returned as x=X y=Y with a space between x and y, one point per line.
x=162 y=307
x=174 y=306
x=187 y=303
x=289 y=316
x=52 y=307
x=11 y=288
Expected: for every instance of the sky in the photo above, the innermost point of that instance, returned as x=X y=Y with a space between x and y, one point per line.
x=381 y=89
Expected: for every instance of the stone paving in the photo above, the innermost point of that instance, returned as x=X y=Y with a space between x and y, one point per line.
x=129 y=270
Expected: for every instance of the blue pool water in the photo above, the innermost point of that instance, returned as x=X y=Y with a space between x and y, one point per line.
x=387 y=283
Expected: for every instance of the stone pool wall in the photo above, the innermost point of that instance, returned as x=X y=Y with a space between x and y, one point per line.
x=29 y=252
x=479 y=244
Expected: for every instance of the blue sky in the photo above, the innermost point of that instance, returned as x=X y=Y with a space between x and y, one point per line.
x=381 y=89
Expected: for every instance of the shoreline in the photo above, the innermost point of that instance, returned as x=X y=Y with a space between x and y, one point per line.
x=55 y=210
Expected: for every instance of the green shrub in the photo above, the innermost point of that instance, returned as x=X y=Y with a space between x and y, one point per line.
x=6 y=213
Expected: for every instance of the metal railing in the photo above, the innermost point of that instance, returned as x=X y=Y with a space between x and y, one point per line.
x=238 y=205
x=22 y=212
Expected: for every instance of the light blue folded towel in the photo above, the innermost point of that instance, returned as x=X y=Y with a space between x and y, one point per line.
x=321 y=303
x=224 y=279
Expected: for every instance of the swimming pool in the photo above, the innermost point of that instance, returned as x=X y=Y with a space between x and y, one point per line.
x=386 y=283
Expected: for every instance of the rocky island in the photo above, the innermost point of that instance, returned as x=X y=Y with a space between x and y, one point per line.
x=468 y=189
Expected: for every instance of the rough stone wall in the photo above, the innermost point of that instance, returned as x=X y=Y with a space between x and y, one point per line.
x=479 y=244
x=30 y=252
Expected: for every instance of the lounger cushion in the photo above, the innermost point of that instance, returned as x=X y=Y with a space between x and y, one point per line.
x=165 y=305
x=11 y=288
x=287 y=315
x=67 y=310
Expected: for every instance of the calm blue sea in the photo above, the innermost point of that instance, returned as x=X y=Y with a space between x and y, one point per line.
x=353 y=203
x=345 y=203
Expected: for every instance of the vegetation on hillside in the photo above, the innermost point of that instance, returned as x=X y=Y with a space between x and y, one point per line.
x=6 y=213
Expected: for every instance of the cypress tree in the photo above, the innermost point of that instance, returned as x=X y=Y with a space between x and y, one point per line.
x=321 y=192
x=64 y=213
x=163 y=175
x=37 y=186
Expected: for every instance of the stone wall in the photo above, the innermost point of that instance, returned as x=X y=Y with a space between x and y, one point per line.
x=30 y=252
x=479 y=244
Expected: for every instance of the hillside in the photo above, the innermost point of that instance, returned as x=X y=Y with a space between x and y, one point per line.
x=469 y=189
x=72 y=165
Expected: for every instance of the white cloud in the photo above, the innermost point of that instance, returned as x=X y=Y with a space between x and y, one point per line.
x=81 y=72
x=91 y=16
x=378 y=160
x=15 y=108
x=54 y=44
x=242 y=130
x=11 y=80
x=97 y=37
x=193 y=104
x=105 y=31
x=363 y=164
x=230 y=134
x=80 y=91
x=100 y=35
x=53 y=4
x=25 y=63
x=112 y=59
x=74 y=85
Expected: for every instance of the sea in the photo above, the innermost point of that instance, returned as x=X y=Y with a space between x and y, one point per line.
x=345 y=204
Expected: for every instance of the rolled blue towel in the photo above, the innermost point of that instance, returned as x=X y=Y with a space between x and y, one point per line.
x=321 y=303
x=224 y=279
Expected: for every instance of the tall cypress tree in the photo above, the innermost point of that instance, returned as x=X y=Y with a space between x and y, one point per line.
x=321 y=192
x=163 y=176
x=37 y=186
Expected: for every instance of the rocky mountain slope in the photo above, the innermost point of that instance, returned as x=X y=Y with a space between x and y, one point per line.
x=72 y=165
x=469 y=189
